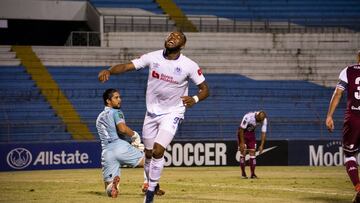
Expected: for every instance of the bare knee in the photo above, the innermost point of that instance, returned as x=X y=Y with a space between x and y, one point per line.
x=158 y=151
x=148 y=153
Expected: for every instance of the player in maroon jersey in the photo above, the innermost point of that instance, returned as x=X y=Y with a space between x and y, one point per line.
x=247 y=140
x=349 y=80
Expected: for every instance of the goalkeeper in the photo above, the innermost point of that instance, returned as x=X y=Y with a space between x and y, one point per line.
x=116 y=151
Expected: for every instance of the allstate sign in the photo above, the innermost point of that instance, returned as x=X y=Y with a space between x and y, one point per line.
x=34 y=156
x=19 y=158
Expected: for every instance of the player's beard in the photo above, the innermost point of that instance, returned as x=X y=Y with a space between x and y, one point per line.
x=172 y=49
x=117 y=107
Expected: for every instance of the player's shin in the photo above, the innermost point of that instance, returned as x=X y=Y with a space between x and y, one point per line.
x=352 y=169
x=242 y=166
x=252 y=163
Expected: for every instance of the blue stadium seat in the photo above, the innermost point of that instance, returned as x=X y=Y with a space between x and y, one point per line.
x=24 y=113
x=308 y=12
x=148 y=5
x=296 y=109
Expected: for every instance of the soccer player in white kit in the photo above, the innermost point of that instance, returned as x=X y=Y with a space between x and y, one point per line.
x=166 y=99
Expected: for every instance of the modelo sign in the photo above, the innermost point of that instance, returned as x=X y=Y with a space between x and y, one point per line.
x=316 y=153
x=50 y=156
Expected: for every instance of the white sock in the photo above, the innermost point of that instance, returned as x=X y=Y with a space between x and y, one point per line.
x=146 y=169
x=156 y=168
x=145 y=177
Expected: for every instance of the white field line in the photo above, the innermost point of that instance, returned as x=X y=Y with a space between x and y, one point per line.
x=302 y=190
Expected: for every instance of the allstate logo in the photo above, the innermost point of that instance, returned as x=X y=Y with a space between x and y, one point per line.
x=19 y=158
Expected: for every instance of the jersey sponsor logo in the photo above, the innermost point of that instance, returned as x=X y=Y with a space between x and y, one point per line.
x=19 y=158
x=199 y=71
x=164 y=77
x=154 y=74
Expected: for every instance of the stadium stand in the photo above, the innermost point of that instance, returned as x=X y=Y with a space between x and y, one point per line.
x=291 y=104
x=307 y=13
x=289 y=75
x=25 y=114
x=148 y=5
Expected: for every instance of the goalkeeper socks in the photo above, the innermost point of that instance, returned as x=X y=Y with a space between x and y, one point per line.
x=252 y=163
x=242 y=165
x=156 y=168
x=352 y=170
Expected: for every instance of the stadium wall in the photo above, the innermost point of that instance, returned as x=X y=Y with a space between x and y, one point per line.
x=43 y=10
x=71 y=155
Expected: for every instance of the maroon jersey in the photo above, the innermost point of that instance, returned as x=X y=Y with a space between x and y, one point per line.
x=350 y=81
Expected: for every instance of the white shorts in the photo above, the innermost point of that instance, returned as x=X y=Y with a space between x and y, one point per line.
x=160 y=129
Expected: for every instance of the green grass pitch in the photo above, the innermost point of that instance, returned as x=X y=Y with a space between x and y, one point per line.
x=183 y=184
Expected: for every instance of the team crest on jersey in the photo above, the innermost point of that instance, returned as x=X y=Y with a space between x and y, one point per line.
x=156 y=65
x=177 y=71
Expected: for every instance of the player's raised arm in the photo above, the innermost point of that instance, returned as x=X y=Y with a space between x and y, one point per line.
x=104 y=75
x=335 y=99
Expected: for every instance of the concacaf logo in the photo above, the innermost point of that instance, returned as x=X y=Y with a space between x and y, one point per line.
x=19 y=158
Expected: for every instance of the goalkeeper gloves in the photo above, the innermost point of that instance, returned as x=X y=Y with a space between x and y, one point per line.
x=135 y=139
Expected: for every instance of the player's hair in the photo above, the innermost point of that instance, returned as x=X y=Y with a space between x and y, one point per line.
x=262 y=114
x=108 y=94
x=183 y=35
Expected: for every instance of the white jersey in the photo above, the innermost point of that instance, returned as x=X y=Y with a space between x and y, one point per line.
x=168 y=80
x=249 y=122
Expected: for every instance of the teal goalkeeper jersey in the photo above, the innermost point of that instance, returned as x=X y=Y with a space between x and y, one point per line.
x=106 y=125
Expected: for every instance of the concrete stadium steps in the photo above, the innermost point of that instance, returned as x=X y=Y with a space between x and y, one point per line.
x=240 y=40
x=318 y=58
x=7 y=57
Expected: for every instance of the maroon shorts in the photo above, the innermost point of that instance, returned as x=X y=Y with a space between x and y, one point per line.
x=351 y=135
x=250 y=140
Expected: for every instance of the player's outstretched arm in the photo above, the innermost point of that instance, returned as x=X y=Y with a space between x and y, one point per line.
x=104 y=75
x=336 y=97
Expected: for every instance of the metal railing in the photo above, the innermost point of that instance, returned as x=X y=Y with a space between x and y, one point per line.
x=162 y=23
x=83 y=38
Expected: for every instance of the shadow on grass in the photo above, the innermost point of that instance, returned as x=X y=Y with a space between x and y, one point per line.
x=328 y=199
x=102 y=194
x=97 y=193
